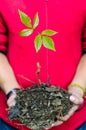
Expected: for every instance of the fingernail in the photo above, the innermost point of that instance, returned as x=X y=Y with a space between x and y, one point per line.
x=72 y=98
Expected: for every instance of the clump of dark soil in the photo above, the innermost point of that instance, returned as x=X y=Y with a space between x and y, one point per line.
x=39 y=106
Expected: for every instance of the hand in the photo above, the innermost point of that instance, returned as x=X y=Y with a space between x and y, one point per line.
x=77 y=98
x=11 y=100
x=11 y=95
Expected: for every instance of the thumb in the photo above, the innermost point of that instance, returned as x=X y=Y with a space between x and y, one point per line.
x=76 y=100
x=11 y=100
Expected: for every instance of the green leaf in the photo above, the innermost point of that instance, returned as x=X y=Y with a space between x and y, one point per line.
x=38 y=42
x=36 y=21
x=26 y=32
x=48 y=43
x=49 y=32
x=25 y=19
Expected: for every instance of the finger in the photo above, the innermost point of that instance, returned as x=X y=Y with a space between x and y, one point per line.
x=11 y=104
x=11 y=101
x=76 y=100
x=11 y=98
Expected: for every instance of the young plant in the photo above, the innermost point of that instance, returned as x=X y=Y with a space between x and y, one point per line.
x=43 y=38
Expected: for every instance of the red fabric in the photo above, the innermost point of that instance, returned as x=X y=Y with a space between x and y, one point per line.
x=84 y=39
x=67 y=18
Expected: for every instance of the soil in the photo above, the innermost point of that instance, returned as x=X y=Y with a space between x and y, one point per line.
x=39 y=106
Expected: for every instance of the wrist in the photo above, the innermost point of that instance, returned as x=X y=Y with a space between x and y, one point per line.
x=8 y=86
x=12 y=91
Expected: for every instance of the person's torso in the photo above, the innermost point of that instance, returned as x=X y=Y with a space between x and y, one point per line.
x=65 y=17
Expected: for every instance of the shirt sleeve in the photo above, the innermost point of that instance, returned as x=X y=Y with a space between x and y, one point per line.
x=84 y=39
x=3 y=36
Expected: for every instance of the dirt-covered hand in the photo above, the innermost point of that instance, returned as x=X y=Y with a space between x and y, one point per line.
x=77 y=98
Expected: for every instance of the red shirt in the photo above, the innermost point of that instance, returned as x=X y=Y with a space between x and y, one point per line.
x=64 y=16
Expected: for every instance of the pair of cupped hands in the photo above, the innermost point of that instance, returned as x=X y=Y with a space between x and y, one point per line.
x=76 y=97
